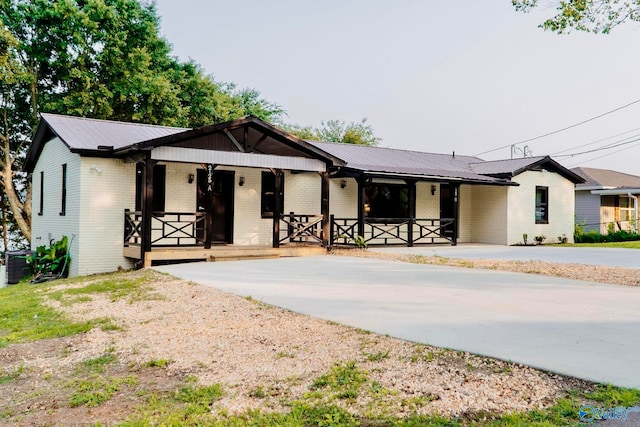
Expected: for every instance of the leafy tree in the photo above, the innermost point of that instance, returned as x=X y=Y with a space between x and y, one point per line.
x=337 y=131
x=598 y=16
x=102 y=59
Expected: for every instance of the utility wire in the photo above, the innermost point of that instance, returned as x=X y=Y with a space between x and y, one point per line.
x=600 y=157
x=561 y=130
x=608 y=147
x=595 y=142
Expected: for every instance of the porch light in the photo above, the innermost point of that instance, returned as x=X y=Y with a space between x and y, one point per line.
x=191 y=178
x=343 y=183
x=433 y=189
x=241 y=182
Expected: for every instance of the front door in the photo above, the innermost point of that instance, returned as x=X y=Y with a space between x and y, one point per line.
x=447 y=209
x=217 y=201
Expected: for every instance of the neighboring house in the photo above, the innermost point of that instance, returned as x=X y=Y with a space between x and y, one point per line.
x=137 y=194
x=607 y=199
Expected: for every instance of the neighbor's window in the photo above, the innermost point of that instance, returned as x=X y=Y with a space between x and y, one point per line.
x=626 y=208
x=41 y=210
x=386 y=201
x=63 y=205
x=268 y=199
x=542 y=205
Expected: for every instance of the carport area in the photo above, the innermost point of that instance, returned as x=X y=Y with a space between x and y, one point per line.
x=582 y=329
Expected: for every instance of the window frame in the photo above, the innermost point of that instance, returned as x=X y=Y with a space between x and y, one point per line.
x=63 y=192
x=41 y=207
x=267 y=189
x=543 y=205
x=395 y=190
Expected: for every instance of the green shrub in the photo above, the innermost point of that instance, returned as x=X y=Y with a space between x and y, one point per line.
x=595 y=237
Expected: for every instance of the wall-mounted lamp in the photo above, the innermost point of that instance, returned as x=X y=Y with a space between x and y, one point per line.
x=433 y=189
x=95 y=168
x=343 y=183
x=191 y=178
x=241 y=182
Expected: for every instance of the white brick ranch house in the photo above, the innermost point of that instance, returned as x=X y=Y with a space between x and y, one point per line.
x=139 y=194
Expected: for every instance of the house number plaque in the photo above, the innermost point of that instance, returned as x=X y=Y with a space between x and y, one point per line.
x=209 y=178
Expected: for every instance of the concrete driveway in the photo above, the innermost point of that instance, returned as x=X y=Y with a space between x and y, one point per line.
x=612 y=257
x=587 y=330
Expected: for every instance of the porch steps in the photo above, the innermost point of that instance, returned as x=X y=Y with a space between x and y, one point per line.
x=227 y=253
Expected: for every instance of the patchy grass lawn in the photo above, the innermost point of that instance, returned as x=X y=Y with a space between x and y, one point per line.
x=108 y=390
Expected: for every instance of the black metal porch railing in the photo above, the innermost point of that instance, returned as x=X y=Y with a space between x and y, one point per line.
x=167 y=228
x=393 y=231
x=301 y=228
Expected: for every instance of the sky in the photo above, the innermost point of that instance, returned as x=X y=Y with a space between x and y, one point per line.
x=439 y=76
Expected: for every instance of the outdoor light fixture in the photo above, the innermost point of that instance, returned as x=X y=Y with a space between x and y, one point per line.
x=191 y=178
x=343 y=183
x=241 y=182
x=433 y=189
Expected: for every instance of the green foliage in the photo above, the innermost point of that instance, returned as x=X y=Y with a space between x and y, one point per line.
x=102 y=59
x=99 y=364
x=359 y=133
x=24 y=318
x=52 y=261
x=540 y=239
x=96 y=390
x=199 y=399
x=585 y=15
x=359 y=241
x=11 y=375
x=595 y=237
x=343 y=381
x=378 y=356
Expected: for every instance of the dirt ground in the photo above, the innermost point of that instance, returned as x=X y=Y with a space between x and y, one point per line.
x=178 y=332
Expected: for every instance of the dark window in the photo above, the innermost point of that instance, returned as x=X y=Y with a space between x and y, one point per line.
x=159 y=179
x=268 y=199
x=542 y=205
x=386 y=201
x=41 y=210
x=63 y=207
x=139 y=185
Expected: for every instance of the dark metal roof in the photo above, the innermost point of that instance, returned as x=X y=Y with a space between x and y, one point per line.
x=606 y=178
x=86 y=135
x=404 y=162
x=250 y=134
x=509 y=168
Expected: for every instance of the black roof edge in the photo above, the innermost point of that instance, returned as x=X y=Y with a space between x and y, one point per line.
x=546 y=160
x=44 y=132
x=288 y=139
x=347 y=172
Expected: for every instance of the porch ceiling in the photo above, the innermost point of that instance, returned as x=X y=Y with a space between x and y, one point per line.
x=230 y=158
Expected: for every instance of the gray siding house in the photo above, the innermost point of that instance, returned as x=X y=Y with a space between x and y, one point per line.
x=607 y=199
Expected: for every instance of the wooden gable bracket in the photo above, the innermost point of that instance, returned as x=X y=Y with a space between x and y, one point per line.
x=234 y=141
x=258 y=142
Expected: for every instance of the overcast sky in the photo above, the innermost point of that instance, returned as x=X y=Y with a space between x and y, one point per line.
x=461 y=75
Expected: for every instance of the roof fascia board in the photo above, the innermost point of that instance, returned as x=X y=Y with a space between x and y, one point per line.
x=617 y=191
x=228 y=158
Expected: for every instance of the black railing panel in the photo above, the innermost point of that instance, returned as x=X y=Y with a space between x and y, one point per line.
x=167 y=228
x=301 y=228
x=393 y=231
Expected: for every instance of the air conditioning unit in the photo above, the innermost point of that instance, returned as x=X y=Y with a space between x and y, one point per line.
x=17 y=266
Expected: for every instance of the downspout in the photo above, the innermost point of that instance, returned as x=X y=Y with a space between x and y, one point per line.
x=635 y=211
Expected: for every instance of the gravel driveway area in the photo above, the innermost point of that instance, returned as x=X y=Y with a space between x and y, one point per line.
x=577 y=328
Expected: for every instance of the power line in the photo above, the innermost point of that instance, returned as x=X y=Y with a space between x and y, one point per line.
x=561 y=130
x=600 y=157
x=595 y=142
x=606 y=147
